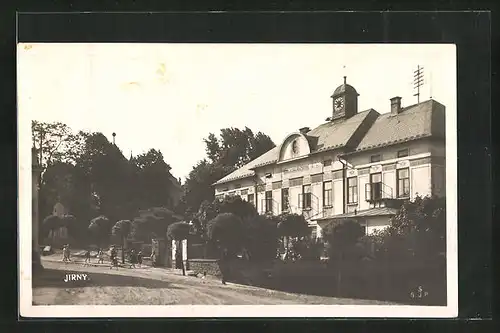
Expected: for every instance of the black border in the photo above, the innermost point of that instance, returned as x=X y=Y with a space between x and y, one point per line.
x=470 y=31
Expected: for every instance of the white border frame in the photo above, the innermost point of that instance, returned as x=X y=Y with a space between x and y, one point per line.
x=299 y=311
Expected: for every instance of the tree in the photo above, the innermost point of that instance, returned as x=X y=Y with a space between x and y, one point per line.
x=153 y=179
x=233 y=149
x=230 y=204
x=261 y=237
x=51 y=223
x=122 y=229
x=417 y=231
x=342 y=237
x=292 y=226
x=178 y=232
x=100 y=228
x=151 y=223
x=226 y=231
x=53 y=142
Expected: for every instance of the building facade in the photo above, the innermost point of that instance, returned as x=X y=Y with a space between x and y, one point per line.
x=358 y=165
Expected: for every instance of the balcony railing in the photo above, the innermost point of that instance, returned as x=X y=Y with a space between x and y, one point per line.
x=377 y=192
x=269 y=206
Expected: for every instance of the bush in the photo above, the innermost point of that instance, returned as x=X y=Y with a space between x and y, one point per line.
x=226 y=232
x=261 y=237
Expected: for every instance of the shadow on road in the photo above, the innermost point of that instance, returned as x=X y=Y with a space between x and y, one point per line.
x=55 y=279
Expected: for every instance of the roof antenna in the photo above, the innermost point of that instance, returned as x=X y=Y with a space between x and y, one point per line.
x=114 y=135
x=418 y=81
x=345 y=79
x=430 y=83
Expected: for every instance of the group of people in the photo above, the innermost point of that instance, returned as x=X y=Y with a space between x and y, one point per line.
x=134 y=258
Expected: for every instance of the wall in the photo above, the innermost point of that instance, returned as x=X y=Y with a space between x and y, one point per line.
x=420 y=162
x=210 y=266
x=377 y=223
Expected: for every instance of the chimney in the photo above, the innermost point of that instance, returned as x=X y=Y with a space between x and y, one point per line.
x=304 y=130
x=395 y=105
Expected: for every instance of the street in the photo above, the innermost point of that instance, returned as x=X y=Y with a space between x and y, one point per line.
x=156 y=286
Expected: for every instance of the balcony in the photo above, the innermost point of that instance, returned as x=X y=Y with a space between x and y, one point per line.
x=376 y=192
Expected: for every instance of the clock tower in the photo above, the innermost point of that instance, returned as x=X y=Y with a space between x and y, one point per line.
x=345 y=101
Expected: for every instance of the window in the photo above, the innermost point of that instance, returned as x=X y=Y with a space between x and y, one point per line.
x=327 y=162
x=306 y=197
x=269 y=201
x=352 y=190
x=376 y=186
x=327 y=194
x=403 y=153
x=285 y=200
x=250 y=198
x=403 y=179
x=375 y=158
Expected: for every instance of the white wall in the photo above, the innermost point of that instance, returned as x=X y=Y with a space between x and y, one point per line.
x=420 y=181
x=376 y=223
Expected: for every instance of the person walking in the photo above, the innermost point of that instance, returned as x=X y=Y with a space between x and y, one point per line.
x=133 y=258
x=87 y=258
x=153 y=258
x=100 y=256
x=114 y=258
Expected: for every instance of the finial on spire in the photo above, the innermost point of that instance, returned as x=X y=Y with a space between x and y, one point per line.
x=345 y=79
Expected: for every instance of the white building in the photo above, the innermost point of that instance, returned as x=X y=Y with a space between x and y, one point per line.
x=357 y=164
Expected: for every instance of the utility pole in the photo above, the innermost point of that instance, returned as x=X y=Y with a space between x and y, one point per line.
x=418 y=81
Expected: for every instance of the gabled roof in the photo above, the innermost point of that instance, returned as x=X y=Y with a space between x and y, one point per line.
x=271 y=156
x=328 y=136
x=363 y=131
x=342 y=132
x=413 y=122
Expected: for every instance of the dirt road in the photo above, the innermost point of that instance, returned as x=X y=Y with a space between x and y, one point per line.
x=155 y=286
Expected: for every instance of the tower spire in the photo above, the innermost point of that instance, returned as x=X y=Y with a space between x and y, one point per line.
x=345 y=79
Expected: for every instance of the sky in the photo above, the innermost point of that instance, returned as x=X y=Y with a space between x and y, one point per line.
x=171 y=96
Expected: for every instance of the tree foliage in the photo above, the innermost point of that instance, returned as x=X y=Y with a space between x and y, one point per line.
x=231 y=150
x=230 y=204
x=90 y=176
x=261 y=237
x=342 y=237
x=100 y=228
x=152 y=223
x=293 y=225
x=417 y=232
x=226 y=230
x=178 y=231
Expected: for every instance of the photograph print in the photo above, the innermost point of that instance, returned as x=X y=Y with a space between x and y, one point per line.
x=208 y=180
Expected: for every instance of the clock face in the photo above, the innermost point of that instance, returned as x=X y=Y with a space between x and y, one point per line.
x=339 y=104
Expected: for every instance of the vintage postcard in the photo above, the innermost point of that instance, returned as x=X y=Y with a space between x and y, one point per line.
x=237 y=180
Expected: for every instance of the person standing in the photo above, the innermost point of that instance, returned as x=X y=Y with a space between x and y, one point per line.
x=153 y=258
x=133 y=258
x=139 y=258
x=223 y=265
